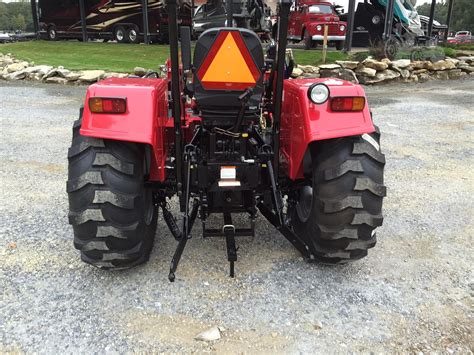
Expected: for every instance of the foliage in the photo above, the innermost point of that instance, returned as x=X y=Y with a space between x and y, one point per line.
x=449 y=52
x=462 y=46
x=16 y=16
x=462 y=18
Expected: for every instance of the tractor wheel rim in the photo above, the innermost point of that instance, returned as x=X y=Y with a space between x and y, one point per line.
x=133 y=35
x=119 y=35
x=52 y=34
x=305 y=203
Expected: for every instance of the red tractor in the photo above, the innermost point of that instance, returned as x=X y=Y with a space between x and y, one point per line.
x=227 y=133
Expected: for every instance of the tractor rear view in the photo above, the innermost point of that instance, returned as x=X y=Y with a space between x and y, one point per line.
x=227 y=133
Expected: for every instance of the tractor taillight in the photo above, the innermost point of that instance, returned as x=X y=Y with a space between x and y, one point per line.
x=347 y=103
x=107 y=105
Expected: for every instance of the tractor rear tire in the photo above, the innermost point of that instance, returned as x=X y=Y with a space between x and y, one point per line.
x=112 y=213
x=338 y=220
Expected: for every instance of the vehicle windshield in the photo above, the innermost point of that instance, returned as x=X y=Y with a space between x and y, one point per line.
x=320 y=9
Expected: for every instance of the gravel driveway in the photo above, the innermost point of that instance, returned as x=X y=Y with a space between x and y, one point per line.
x=413 y=293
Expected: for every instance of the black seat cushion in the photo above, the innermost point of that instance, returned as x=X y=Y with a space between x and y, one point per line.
x=220 y=101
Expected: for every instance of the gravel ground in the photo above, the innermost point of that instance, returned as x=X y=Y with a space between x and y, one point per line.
x=413 y=293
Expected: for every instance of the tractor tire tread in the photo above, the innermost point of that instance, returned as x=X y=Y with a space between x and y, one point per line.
x=105 y=203
x=348 y=192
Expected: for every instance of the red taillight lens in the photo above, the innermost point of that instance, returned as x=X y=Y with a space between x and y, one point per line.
x=348 y=103
x=107 y=105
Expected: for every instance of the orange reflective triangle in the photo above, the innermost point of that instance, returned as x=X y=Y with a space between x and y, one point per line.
x=229 y=65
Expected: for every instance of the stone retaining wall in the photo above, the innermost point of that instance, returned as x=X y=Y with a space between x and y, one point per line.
x=372 y=71
x=367 y=72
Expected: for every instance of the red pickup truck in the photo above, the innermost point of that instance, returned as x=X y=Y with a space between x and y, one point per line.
x=307 y=20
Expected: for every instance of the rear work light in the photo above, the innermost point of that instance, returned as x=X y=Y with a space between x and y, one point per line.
x=107 y=105
x=352 y=104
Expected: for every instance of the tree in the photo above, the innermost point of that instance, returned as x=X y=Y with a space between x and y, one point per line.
x=462 y=17
x=16 y=15
x=19 y=23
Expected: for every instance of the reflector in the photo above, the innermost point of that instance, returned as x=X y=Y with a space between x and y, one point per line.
x=229 y=64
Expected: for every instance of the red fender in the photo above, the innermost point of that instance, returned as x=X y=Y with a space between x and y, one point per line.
x=143 y=122
x=303 y=122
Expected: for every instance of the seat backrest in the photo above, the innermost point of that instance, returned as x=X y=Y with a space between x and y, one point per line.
x=227 y=61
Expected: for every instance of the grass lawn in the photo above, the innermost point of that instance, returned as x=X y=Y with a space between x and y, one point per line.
x=118 y=57
x=315 y=57
x=77 y=55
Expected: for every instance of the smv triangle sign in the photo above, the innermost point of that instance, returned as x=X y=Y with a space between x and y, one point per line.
x=228 y=65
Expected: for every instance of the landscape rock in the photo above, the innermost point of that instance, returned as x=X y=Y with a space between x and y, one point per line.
x=442 y=65
x=419 y=71
x=385 y=75
x=115 y=75
x=424 y=77
x=56 y=72
x=91 y=76
x=309 y=68
x=311 y=75
x=405 y=74
x=329 y=67
x=421 y=64
x=401 y=63
x=467 y=59
x=18 y=75
x=456 y=74
x=386 y=61
x=441 y=75
x=15 y=67
x=139 y=71
x=5 y=60
x=56 y=80
x=329 y=73
x=367 y=80
x=349 y=75
x=209 y=335
x=466 y=68
x=368 y=72
x=375 y=64
x=42 y=69
x=73 y=76
x=296 y=72
x=453 y=60
x=347 y=64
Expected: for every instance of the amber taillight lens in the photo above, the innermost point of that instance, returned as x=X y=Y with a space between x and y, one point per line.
x=348 y=104
x=107 y=105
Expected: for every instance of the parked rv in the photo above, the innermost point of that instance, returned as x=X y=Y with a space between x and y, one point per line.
x=108 y=19
x=307 y=20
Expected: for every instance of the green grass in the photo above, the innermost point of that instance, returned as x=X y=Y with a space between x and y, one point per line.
x=315 y=57
x=76 y=55
x=463 y=46
x=119 y=57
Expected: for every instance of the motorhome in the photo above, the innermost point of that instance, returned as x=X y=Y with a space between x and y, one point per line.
x=108 y=19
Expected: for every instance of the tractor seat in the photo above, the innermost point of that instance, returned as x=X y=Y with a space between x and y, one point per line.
x=227 y=62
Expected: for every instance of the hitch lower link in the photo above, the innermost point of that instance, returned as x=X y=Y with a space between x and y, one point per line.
x=275 y=215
